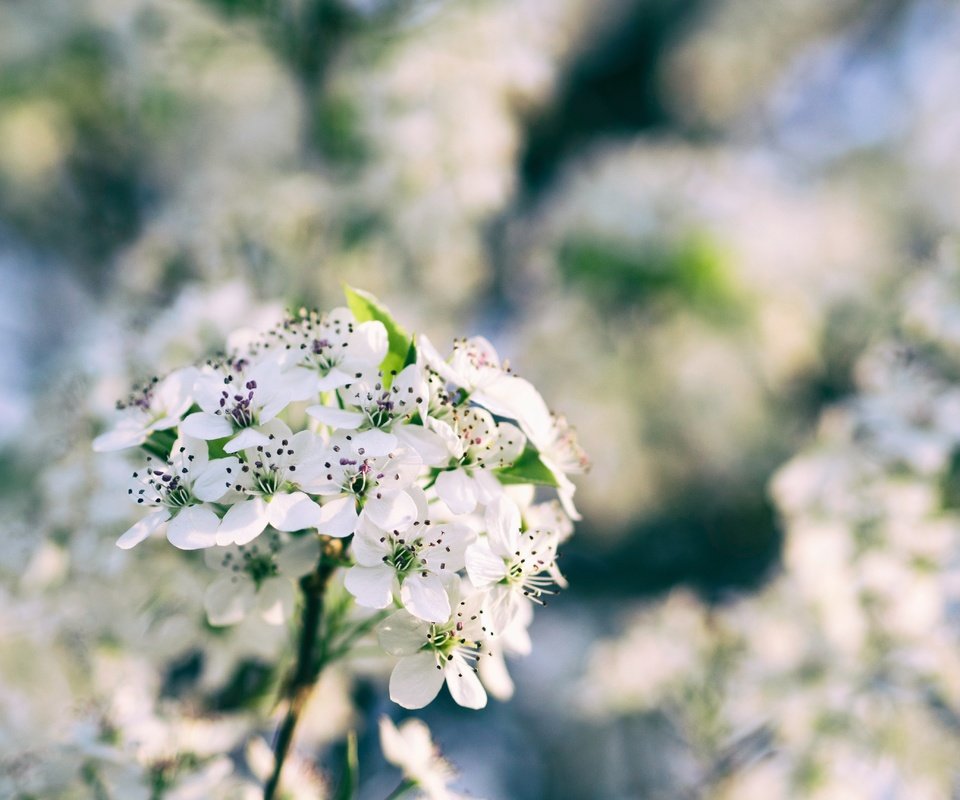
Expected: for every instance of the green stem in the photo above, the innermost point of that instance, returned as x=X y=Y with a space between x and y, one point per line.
x=307 y=669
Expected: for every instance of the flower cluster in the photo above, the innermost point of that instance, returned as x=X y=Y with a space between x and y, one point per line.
x=428 y=472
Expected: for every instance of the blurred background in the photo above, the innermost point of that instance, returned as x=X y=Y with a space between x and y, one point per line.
x=714 y=233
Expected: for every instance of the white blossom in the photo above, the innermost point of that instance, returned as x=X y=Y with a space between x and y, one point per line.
x=156 y=407
x=409 y=747
x=179 y=494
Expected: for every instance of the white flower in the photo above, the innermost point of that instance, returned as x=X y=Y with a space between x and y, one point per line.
x=331 y=347
x=156 y=407
x=432 y=653
x=516 y=566
x=475 y=369
x=410 y=748
x=258 y=576
x=478 y=444
x=378 y=414
x=239 y=399
x=420 y=561
x=266 y=489
x=353 y=479
x=180 y=492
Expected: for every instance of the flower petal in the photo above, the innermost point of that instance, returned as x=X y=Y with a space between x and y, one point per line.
x=428 y=445
x=243 y=522
x=369 y=545
x=402 y=634
x=193 y=528
x=423 y=596
x=374 y=443
x=275 y=600
x=338 y=517
x=292 y=512
x=204 y=425
x=371 y=586
x=463 y=683
x=483 y=565
x=392 y=511
x=213 y=480
x=336 y=417
x=503 y=526
x=415 y=680
x=366 y=346
x=142 y=529
x=248 y=437
x=128 y=433
x=229 y=598
x=457 y=490
x=298 y=556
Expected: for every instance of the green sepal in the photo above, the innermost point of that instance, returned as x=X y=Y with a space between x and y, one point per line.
x=366 y=307
x=527 y=469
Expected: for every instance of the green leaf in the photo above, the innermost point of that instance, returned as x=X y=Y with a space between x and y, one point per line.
x=527 y=469
x=160 y=443
x=366 y=307
x=347 y=790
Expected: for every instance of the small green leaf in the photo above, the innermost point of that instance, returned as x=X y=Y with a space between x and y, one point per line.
x=411 y=354
x=527 y=469
x=347 y=790
x=366 y=307
x=160 y=443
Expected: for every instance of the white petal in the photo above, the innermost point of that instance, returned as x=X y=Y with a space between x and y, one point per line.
x=292 y=512
x=402 y=634
x=193 y=528
x=366 y=347
x=142 y=529
x=243 y=522
x=372 y=586
x=392 y=511
x=429 y=446
x=334 y=379
x=487 y=486
x=204 y=425
x=338 y=517
x=374 y=443
x=457 y=490
x=503 y=526
x=436 y=362
x=174 y=394
x=212 y=481
x=424 y=597
x=514 y=397
x=228 y=599
x=275 y=600
x=483 y=565
x=463 y=683
x=495 y=677
x=128 y=433
x=298 y=556
x=190 y=453
x=248 y=437
x=367 y=547
x=415 y=680
x=336 y=417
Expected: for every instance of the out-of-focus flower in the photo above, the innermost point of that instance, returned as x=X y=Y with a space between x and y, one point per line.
x=410 y=747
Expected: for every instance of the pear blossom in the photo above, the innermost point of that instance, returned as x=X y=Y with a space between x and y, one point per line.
x=478 y=444
x=157 y=406
x=268 y=489
x=360 y=485
x=516 y=566
x=416 y=564
x=258 y=576
x=382 y=414
x=433 y=653
x=409 y=747
x=331 y=347
x=239 y=398
x=180 y=493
